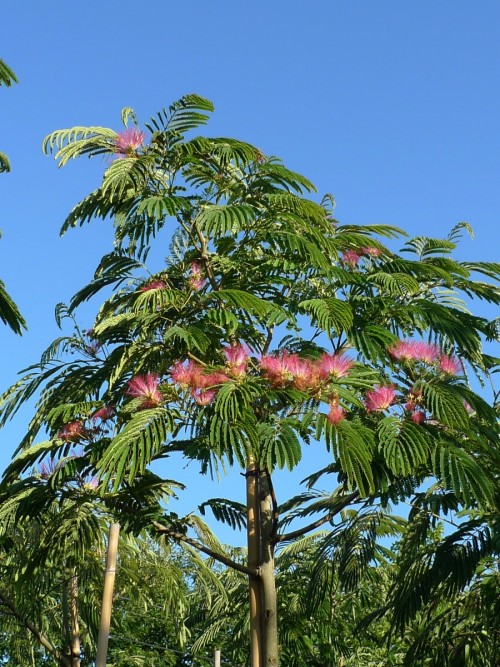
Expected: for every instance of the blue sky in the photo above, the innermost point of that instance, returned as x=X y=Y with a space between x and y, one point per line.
x=393 y=107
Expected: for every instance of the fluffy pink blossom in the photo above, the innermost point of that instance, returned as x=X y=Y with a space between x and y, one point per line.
x=371 y=251
x=196 y=279
x=449 y=365
x=334 y=365
x=418 y=417
x=203 y=396
x=426 y=352
x=207 y=380
x=72 y=432
x=104 y=413
x=289 y=369
x=145 y=387
x=379 y=398
x=276 y=370
x=236 y=360
x=303 y=372
x=186 y=373
x=351 y=258
x=336 y=414
x=153 y=284
x=414 y=350
x=128 y=141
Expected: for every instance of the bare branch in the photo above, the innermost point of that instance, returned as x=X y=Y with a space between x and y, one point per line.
x=225 y=560
x=316 y=524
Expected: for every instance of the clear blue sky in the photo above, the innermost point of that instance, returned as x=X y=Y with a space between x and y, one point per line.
x=392 y=106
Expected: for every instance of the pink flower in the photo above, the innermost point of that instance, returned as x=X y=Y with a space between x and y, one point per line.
x=379 y=398
x=128 y=141
x=304 y=374
x=72 y=432
x=418 y=417
x=414 y=350
x=210 y=380
x=449 y=365
x=153 y=284
x=336 y=414
x=426 y=352
x=203 y=396
x=403 y=350
x=186 y=373
x=145 y=387
x=104 y=413
x=196 y=279
x=289 y=369
x=334 y=365
x=47 y=468
x=276 y=371
x=237 y=358
x=351 y=258
x=371 y=251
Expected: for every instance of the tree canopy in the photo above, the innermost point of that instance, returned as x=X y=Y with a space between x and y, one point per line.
x=270 y=331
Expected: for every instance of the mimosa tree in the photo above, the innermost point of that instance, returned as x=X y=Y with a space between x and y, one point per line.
x=272 y=331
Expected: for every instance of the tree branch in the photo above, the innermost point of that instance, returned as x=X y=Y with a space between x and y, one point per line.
x=286 y=537
x=225 y=560
x=42 y=639
x=274 y=501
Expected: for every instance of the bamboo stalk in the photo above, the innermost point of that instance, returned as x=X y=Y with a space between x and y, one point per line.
x=107 y=596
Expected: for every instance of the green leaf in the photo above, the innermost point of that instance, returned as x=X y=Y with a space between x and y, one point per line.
x=132 y=450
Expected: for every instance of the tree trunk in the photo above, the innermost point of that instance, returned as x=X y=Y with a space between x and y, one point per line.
x=253 y=544
x=263 y=604
x=269 y=617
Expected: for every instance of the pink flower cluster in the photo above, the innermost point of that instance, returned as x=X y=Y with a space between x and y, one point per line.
x=352 y=258
x=336 y=413
x=104 y=414
x=72 y=432
x=196 y=279
x=427 y=353
x=153 y=284
x=204 y=386
x=304 y=374
x=145 y=388
x=128 y=141
x=379 y=398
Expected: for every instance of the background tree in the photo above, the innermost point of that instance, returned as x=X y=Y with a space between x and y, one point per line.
x=266 y=313
x=9 y=312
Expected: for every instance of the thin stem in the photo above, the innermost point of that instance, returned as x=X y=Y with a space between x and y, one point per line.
x=316 y=524
x=180 y=537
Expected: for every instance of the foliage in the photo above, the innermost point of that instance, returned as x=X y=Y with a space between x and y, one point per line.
x=271 y=327
x=9 y=312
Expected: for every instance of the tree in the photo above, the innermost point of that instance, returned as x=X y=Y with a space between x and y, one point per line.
x=9 y=312
x=266 y=313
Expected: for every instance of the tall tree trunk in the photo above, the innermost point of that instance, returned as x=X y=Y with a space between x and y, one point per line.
x=253 y=544
x=269 y=617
